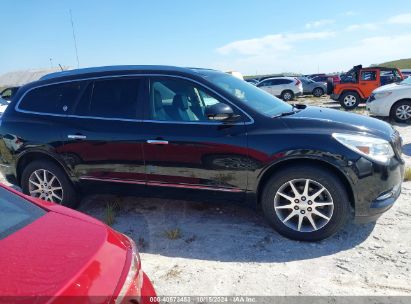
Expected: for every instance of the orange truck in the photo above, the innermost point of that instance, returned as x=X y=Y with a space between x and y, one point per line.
x=357 y=84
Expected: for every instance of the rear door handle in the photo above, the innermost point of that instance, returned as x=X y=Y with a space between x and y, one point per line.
x=157 y=142
x=76 y=136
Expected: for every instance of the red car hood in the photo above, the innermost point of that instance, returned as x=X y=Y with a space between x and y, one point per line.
x=62 y=253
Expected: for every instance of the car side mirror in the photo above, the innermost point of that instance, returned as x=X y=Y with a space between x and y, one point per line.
x=220 y=112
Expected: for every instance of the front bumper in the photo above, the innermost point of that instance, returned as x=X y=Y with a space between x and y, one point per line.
x=379 y=107
x=383 y=187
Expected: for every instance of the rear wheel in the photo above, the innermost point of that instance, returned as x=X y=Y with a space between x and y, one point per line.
x=318 y=92
x=401 y=111
x=287 y=95
x=305 y=203
x=350 y=100
x=47 y=181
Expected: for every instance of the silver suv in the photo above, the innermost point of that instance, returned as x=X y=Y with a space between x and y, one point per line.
x=287 y=88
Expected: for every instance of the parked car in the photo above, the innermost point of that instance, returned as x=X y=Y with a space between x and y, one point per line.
x=287 y=88
x=310 y=87
x=252 y=81
x=8 y=93
x=200 y=134
x=49 y=252
x=393 y=100
x=406 y=72
x=322 y=79
x=357 y=84
x=3 y=106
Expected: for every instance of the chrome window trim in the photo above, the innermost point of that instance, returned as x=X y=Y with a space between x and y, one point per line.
x=17 y=108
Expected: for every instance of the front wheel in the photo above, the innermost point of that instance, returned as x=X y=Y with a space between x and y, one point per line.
x=47 y=181
x=287 y=95
x=401 y=111
x=305 y=203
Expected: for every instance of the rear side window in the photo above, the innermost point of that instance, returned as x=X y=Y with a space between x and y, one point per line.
x=52 y=99
x=16 y=213
x=113 y=98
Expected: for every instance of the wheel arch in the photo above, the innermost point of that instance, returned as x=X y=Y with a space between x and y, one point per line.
x=305 y=161
x=398 y=101
x=35 y=155
x=354 y=90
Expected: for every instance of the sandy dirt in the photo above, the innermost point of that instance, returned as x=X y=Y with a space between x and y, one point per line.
x=191 y=248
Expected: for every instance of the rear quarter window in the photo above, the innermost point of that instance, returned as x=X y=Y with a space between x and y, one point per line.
x=16 y=213
x=52 y=99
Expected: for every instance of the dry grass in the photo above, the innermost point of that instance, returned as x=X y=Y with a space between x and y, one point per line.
x=173 y=234
x=110 y=213
x=407 y=175
x=173 y=273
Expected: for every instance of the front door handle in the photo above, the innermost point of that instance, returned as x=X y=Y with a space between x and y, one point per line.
x=157 y=142
x=77 y=136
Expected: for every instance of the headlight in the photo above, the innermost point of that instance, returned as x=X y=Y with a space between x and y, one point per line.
x=382 y=95
x=373 y=148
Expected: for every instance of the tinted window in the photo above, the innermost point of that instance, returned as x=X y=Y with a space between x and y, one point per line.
x=16 y=213
x=266 y=83
x=178 y=100
x=114 y=98
x=54 y=99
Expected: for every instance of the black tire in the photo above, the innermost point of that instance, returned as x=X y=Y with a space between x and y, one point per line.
x=69 y=197
x=328 y=180
x=350 y=100
x=395 y=112
x=287 y=95
x=318 y=92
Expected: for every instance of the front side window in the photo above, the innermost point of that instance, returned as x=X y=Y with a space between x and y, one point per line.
x=111 y=98
x=16 y=213
x=368 y=75
x=178 y=100
x=255 y=98
x=52 y=99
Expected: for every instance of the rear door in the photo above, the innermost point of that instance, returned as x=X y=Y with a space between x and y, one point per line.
x=183 y=149
x=103 y=134
x=369 y=81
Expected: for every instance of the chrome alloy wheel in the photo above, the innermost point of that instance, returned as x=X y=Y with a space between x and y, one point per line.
x=45 y=185
x=350 y=100
x=403 y=112
x=303 y=205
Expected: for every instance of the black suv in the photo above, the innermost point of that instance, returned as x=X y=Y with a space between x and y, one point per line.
x=203 y=132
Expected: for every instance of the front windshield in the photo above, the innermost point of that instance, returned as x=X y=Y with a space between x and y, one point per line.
x=406 y=80
x=257 y=99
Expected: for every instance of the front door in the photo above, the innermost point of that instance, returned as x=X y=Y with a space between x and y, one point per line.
x=369 y=82
x=183 y=149
x=103 y=133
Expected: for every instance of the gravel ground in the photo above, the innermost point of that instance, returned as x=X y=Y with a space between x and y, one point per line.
x=192 y=248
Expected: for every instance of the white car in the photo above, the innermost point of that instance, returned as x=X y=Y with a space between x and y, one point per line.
x=287 y=88
x=3 y=106
x=393 y=100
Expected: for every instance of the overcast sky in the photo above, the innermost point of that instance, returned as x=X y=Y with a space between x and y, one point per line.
x=250 y=36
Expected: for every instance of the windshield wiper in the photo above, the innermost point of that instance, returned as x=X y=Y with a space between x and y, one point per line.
x=293 y=111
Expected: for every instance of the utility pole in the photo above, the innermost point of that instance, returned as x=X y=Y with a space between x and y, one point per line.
x=74 y=38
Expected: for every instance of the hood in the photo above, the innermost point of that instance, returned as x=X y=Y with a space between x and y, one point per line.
x=325 y=120
x=392 y=87
x=61 y=255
